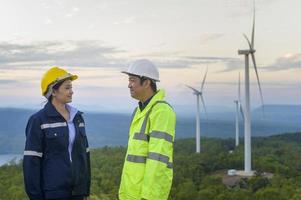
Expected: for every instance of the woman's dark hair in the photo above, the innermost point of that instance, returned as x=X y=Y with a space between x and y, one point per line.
x=56 y=87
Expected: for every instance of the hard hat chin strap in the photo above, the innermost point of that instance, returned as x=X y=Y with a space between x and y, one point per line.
x=49 y=90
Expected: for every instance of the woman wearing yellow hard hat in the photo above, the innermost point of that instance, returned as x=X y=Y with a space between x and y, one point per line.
x=56 y=161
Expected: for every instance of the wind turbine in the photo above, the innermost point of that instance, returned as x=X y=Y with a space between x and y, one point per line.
x=247 y=121
x=199 y=95
x=239 y=109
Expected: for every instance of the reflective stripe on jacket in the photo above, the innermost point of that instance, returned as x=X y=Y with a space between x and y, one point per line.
x=48 y=171
x=147 y=171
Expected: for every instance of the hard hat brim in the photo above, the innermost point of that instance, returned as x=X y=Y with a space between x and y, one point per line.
x=70 y=76
x=128 y=73
x=73 y=77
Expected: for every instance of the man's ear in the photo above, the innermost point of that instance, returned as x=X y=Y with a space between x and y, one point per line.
x=147 y=83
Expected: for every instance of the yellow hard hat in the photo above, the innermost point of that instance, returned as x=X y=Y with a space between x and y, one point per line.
x=52 y=77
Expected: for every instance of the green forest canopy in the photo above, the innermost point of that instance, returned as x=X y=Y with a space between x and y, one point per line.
x=196 y=176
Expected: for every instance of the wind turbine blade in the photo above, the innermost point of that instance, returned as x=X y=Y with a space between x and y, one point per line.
x=253 y=29
x=203 y=102
x=239 y=87
x=241 y=111
x=259 y=86
x=204 y=79
x=195 y=90
x=250 y=46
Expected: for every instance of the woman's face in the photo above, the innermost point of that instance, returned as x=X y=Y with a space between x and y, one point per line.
x=64 y=93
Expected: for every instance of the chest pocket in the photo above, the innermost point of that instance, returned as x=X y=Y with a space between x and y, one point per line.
x=53 y=135
x=141 y=138
x=56 y=139
x=138 y=143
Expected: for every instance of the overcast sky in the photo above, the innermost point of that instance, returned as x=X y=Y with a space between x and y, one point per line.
x=96 y=39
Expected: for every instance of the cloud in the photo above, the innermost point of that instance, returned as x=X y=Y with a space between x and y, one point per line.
x=207 y=37
x=265 y=83
x=235 y=64
x=91 y=53
x=210 y=58
x=48 y=21
x=8 y=82
x=245 y=8
x=187 y=61
x=230 y=63
x=175 y=60
x=175 y=63
x=129 y=20
x=286 y=62
x=70 y=53
x=72 y=12
x=126 y=21
x=69 y=15
x=75 y=9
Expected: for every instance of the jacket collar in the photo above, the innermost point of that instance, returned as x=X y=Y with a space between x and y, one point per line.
x=159 y=96
x=52 y=112
x=72 y=112
x=144 y=104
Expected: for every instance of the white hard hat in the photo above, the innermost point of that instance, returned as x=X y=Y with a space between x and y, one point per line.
x=143 y=67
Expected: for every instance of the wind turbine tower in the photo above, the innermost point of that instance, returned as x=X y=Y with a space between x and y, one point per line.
x=199 y=95
x=239 y=109
x=247 y=113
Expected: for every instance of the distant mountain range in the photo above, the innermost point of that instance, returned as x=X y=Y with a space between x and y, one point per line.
x=287 y=113
x=112 y=128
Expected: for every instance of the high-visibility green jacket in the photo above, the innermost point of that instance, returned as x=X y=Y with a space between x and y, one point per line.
x=147 y=171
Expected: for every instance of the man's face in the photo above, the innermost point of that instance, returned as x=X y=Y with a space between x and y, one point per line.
x=136 y=89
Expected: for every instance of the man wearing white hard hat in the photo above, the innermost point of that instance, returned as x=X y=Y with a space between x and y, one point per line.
x=148 y=166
